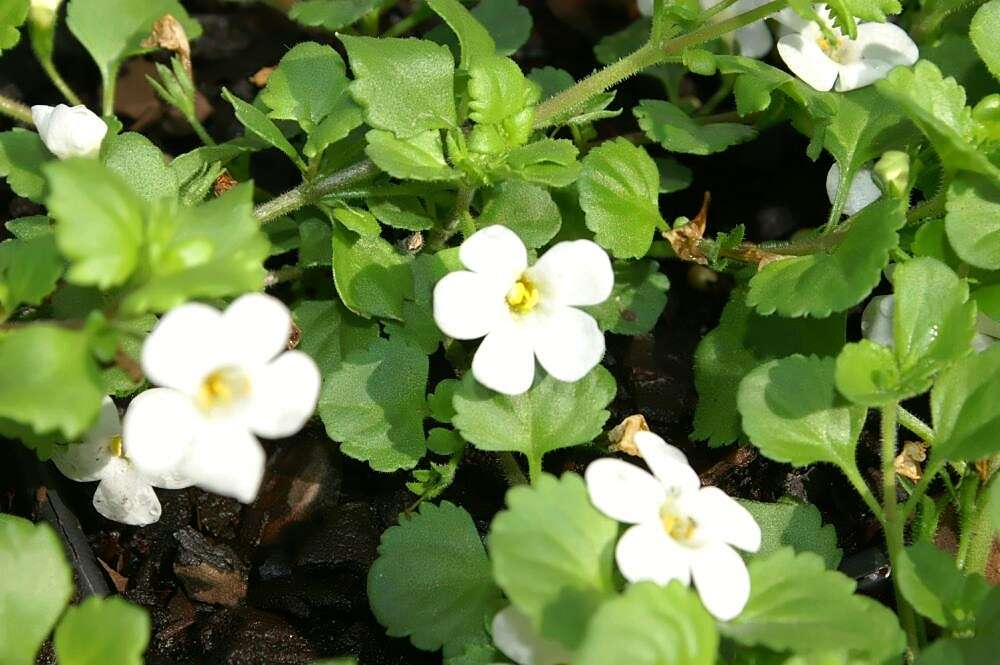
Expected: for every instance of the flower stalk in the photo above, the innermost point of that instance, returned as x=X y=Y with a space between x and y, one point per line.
x=15 y=110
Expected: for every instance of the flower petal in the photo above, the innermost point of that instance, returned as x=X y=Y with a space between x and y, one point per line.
x=721 y=517
x=754 y=40
x=645 y=7
x=807 y=60
x=257 y=327
x=505 y=361
x=514 y=635
x=228 y=460
x=468 y=305
x=158 y=430
x=187 y=343
x=668 y=464
x=876 y=321
x=722 y=580
x=576 y=272
x=69 y=131
x=125 y=496
x=862 y=192
x=284 y=394
x=496 y=251
x=568 y=342
x=878 y=49
x=646 y=553
x=623 y=491
x=88 y=461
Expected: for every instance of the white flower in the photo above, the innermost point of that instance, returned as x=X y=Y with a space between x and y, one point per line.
x=754 y=39
x=682 y=531
x=43 y=12
x=226 y=379
x=876 y=325
x=861 y=194
x=69 y=132
x=848 y=63
x=525 y=312
x=514 y=635
x=124 y=494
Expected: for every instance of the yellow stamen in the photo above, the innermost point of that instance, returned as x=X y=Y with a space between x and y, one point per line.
x=522 y=297
x=223 y=387
x=116 y=446
x=679 y=527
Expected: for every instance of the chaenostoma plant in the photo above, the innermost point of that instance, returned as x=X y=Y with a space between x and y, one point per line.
x=448 y=196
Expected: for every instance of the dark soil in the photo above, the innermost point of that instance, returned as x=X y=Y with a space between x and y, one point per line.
x=283 y=580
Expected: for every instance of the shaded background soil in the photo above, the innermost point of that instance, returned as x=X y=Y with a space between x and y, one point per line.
x=283 y=580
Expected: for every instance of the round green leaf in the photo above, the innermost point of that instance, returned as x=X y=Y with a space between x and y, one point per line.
x=965 y=405
x=101 y=631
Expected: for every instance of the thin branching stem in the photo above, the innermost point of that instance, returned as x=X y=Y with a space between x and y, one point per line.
x=15 y=109
x=310 y=192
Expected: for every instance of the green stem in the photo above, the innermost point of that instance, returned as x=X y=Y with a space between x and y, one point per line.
x=893 y=524
x=463 y=199
x=915 y=425
x=843 y=188
x=534 y=468
x=932 y=207
x=728 y=80
x=512 y=470
x=407 y=24
x=310 y=192
x=862 y=488
x=555 y=107
x=57 y=80
x=930 y=471
x=15 y=109
x=110 y=80
x=200 y=130
x=982 y=535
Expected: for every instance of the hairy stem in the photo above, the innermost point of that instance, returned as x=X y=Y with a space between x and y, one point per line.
x=15 y=109
x=858 y=483
x=200 y=130
x=981 y=534
x=310 y=192
x=463 y=199
x=915 y=425
x=57 y=80
x=511 y=469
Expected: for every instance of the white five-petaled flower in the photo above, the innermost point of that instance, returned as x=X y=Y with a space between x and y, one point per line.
x=876 y=325
x=69 y=131
x=844 y=64
x=862 y=193
x=681 y=531
x=124 y=494
x=227 y=377
x=525 y=312
x=514 y=635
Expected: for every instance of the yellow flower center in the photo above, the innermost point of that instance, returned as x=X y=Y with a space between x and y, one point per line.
x=832 y=50
x=223 y=387
x=680 y=527
x=522 y=297
x=115 y=445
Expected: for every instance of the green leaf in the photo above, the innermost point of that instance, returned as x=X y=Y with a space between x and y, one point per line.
x=793 y=413
x=49 y=380
x=345 y=117
x=306 y=86
x=29 y=228
x=22 y=155
x=673 y=129
x=550 y=162
x=440 y=401
x=788 y=523
x=29 y=270
x=406 y=86
x=553 y=555
x=848 y=272
x=980 y=649
x=401 y=212
x=526 y=209
x=99 y=631
x=619 y=192
x=36 y=584
x=508 y=22
x=262 y=127
x=419 y=157
x=99 y=221
x=757 y=81
x=973 y=219
x=12 y=14
x=141 y=165
x=316 y=242
x=550 y=416
x=418 y=325
x=112 y=30
x=475 y=40
x=498 y=91
x=932 y=583
x=983 y=32
x=742 y=341
x=674 y=176
x=211 y=250
x=330 y=14
x=637 y=299
x=867 y=374
x=371 y=277
x=373 y=403
x=937 y=106
x=651 y=625
x=797 y=605
x=431 y=581
x=873 y=10
x=360 y=221
x=965 y=405
x=329 y=332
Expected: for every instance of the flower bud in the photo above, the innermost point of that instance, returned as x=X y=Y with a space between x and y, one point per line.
x=893 y=170
x=69 y=132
